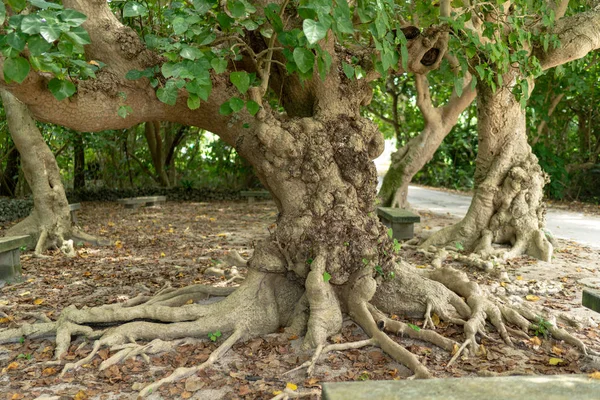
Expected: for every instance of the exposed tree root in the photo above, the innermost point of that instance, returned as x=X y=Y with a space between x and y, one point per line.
x=321 y=350
x=290 y=394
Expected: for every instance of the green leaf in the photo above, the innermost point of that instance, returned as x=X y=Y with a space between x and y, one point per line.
x=326 y=276
x=133 y=74
x=225 y=109
x=191 y=53
x=304 y=58
x=219 y=65
x=50 y=32
x=252 y=107
x=404 y=56
x=348 y=70
x=180 y=25
x=124 y=111
x=134 y=9
x=237 y=8
x=16 y=69
x=79 y=36
x=61 y=89
x=72 y=18
x=37 y=45
x=241 y=80
x=193 y=102
x=458 y=85
x=17 y=5
x=414 y=327
x=16 y=41
x=390 y=233
x=168 y=94
x=313 y=30
x=30 y=24
x=202 y=6
x=44 y=5
x=236 y=104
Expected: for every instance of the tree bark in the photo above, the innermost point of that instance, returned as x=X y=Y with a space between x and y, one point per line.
x=507 y=205
x=49 y=223
x=78 y=162
x=155 y=145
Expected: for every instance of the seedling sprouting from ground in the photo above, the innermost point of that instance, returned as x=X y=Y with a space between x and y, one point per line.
x=397 y=246
x=213 y=336
x=379 y=270
x=326 y=276
x=542 y=328
x=459 y=246
x=28 y=356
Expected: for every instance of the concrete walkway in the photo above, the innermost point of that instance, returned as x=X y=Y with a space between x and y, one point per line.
x=569 y=225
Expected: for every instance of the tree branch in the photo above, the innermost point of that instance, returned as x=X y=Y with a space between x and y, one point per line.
x=424 y=99
x=579 y=34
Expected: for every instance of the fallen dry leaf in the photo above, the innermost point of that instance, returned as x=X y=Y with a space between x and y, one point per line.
x=49 y=371
x=555 y=361
x=37 y=302
x=291 y=386
x=531 y=297
x=594 y=375
x=536 y=341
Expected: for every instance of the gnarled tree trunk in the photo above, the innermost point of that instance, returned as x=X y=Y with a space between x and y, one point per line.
x=507 y=205
x=79 y=163
x=49 y=222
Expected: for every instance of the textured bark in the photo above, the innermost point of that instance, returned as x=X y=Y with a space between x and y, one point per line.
x=409 y=159
x=49 y=222
x=507 y=204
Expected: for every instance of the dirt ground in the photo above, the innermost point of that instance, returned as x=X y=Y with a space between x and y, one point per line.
x=178 y=243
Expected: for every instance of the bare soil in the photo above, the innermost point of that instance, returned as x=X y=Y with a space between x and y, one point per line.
x=177 y=242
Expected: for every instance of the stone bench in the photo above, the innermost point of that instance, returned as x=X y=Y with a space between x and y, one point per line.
x=591 y=299
x=550 y=387
x=73 y=208
x=253 y=194
x=135 y=202
x=10 y=255
x=401 y=221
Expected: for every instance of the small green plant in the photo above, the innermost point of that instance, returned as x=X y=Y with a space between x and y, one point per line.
x=365 y=261
x=309 y=261
x=364 y=376
x=80 y=244
x=213 y=336
x=22 y=339
x=397 y=246
x=28 y=356
x=542 y=328
x=187 y=184
x=23 y=248
x=379 y=270
x=346 y=244
x=326 y=276
x=391 y=275
x=459 y=246
x=390 y=233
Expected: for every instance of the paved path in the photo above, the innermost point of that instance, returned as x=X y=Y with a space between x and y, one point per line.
x=570 y=225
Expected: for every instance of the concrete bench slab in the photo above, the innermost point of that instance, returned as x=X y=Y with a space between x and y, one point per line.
x=591 y=299
x=254 y=194
x=401 y=221
x=135 y=202
x=10 y=255
x=73 y=208
x=549 y=387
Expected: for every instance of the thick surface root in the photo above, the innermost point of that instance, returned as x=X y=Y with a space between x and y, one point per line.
x=261 y=305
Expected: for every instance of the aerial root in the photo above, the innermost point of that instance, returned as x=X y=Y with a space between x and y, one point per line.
x=184 y=372
x=458 y=352
x=320 y=350
x=400 y=328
